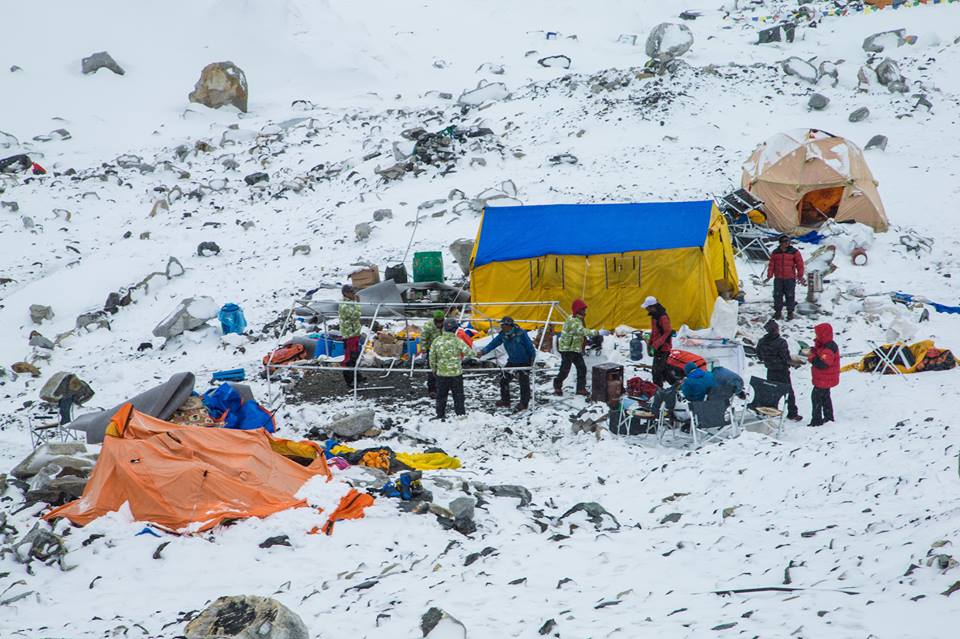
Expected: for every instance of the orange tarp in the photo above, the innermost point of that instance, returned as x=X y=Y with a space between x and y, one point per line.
x=189 y=479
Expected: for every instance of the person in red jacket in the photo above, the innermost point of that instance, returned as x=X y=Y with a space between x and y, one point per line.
x=661 y=339
x=786 y=269
x=825 y=358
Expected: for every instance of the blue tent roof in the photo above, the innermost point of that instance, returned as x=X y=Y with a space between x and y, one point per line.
x=519 y=232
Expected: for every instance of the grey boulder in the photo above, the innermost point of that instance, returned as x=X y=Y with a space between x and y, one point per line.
x=884 y=40
x=888 y=71
x=859 y=115
x=353 y=425
x=190 y=314
x=39 y=312
x=877 y=142
x=247 y=617
x=461 y=250
x=66 y=454
x=669 y=40
x=801 y=69
x=437 y=623
x=818 y=102
x=462 y=507
x=100 y=60
x=363 y=230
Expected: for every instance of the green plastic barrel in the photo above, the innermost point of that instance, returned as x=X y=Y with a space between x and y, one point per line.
x=428 y=266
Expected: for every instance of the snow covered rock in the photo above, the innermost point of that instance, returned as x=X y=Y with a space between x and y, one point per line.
x=884 y=40
x=559 y=61
x=353 y=425
x=800 y=68
x=247 y=617
x=888 y=74
x=437 y=624
x=39 y=312
x=668 y=41
x=876 y=142
x=485 y=92
x=462 y=507
x=221 y=83
x=190 y=314
x=382 y=214
x=362 y=230
x=461 y=250
x=818 y=102
x=56 y=472
x=100 y=60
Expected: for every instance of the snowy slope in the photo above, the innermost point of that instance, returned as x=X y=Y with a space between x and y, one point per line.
x=873 y=492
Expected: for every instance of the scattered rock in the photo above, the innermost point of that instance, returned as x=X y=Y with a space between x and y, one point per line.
x=65 y=385
x=363 y=230
x=352 y=425
x=97 y=319
x=256 y=178
x=818 y=102
x=190 y=314
x=558 y=61
x=829 y=69
x=859 y=115
x=438 y=624
x=549 y=624
x=301 y=249
x=463 y=507
x=279 y=540
x=39 y=312
x=206 y=249
x=40 y=544
x=595 y=513
x=485 y=92
x=24 y=367
x=382 y=214
x=888 y=71
x=14 y=68
x=100 y=60
x=246 y=617
x=800 y=68
x=563 y=158
x=66 y=454
x=7 y=140
x=668 y=41
x=39 y=341
x=922 y=101
x=671 y=518
x=877 y=142
x=13 y=207
x=879 y=42
x=510 y=490
x=221 y=83
x=461 y=250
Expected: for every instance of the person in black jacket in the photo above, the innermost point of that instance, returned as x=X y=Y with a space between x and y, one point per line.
x=775 y=355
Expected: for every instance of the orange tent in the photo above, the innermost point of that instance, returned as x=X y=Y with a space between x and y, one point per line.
x=190 y=479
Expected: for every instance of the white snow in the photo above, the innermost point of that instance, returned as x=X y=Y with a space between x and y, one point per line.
x=847 y=507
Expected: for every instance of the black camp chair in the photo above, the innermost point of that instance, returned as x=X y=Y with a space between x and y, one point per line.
x=709 y=420
x=767 y=406
x=663 y=405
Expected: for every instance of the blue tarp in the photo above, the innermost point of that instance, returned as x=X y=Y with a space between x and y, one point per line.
x=521 y=232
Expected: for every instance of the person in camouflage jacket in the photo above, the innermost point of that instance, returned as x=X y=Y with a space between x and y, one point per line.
x=571 y=348
x=446 y=355
x=349 y=313
x=431 y=330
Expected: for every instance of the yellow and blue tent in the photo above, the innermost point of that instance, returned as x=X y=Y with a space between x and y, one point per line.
x=611 y=255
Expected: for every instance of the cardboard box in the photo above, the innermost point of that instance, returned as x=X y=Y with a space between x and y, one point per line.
x=365 y=277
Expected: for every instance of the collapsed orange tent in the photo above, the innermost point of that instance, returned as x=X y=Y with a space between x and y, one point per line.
x=190 y=479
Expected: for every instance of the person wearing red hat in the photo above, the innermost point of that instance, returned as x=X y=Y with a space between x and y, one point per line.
x=571 y=348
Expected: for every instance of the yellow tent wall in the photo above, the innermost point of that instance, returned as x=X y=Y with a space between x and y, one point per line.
x=685 y=280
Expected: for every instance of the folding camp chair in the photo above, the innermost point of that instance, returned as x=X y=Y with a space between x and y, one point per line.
x=767 y=406
x=664 y=405
x=889 y=358
x=632 y=411
x=46 y=424
x=709 y=420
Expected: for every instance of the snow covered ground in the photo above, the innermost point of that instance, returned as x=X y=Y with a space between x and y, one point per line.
x=836 y=510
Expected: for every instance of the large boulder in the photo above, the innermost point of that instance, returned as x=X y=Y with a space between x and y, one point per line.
x=67 y=454
x=461 y=250
x=888 y=71
x=40 y=312
x=100 y=60
x=247 y=617
x=668 y=41
x=221 y=83
x=801 y=69
x=885 y=40
x=352 y=426
x=56 y=472
x=190 y=314
x=437 y=623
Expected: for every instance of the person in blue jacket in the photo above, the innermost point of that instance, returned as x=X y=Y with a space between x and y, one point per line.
x=520 y=354
x=696 y=383
x=728 y=384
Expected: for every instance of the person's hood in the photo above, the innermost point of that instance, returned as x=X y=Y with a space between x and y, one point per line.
x=823 y=332
x=772 y=327
x=692 y=370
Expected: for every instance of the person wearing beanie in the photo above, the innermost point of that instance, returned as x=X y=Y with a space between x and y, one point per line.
x=431 y=330
x=349 y=313
x=661 y=340
x=520 y=354
x=697 y=383
x=571 y=343
x=773 y=351
x=446 y=362
x=786 y=269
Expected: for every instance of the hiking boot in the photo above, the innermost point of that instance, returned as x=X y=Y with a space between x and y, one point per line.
x=790 y=315
x=520 y=408
x=503 y=403
x=582 y=391
x=778 y=315
x=432 y=395
x=558 y=391
x=795 y=418
x=813 y=424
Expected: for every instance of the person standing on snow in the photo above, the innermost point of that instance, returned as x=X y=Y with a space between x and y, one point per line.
x=349 y=313
x=520 y=354
x=775 y=355
x=572 y=337
x=786 y=269
x=825 y=358
x=431 y=330
x=661 y=340
x=446 y=362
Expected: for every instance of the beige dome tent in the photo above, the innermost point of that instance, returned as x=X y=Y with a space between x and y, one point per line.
x=806 y=177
